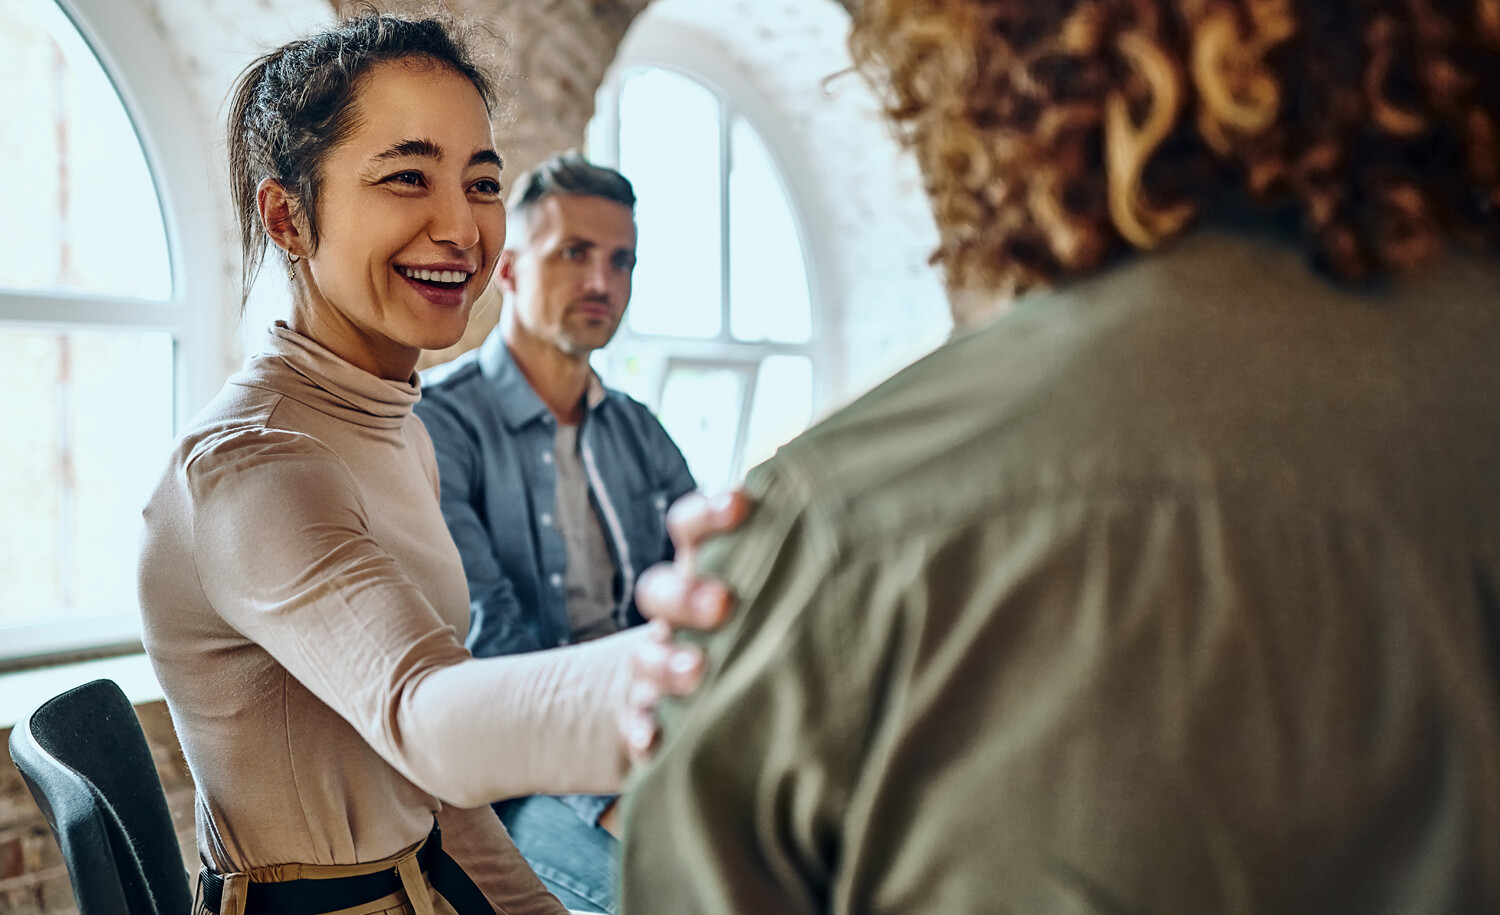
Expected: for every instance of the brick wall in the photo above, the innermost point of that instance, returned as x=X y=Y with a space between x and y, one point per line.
x=33 y=879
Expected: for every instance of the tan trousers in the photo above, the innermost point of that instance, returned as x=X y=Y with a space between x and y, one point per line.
x=416 y=896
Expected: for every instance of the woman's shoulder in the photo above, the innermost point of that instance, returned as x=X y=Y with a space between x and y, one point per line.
x=256 y=468
x=238 y=433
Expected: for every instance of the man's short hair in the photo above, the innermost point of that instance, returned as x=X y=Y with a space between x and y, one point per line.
x=567 y=173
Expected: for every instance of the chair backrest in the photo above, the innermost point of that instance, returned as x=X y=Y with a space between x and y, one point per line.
x=85 y=759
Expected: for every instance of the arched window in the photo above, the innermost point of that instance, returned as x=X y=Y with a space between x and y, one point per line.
x=95 y=284
x=722 y=336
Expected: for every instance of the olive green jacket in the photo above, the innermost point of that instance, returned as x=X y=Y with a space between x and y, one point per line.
x=1173 y=591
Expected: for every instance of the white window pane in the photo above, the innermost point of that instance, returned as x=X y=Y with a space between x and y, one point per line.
x=781 y=408
x=669 y=149
x=630 y=372
x=768 y=294
x=76 y=464
x=700 y=409
x=79 y=210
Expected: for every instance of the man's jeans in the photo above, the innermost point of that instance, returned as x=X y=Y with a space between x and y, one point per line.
x=578 y=861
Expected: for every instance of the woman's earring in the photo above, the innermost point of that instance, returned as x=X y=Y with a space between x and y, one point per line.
x=291 y=266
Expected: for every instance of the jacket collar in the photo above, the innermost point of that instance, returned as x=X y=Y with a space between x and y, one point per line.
x=519 y=403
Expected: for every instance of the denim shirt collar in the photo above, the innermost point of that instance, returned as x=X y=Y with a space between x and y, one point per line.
x=519 y=403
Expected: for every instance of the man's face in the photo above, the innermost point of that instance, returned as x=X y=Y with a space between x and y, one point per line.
x=569 y=278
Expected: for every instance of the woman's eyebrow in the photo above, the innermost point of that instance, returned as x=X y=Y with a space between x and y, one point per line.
x=487 y=157
x=425 y=148
x=430 y=150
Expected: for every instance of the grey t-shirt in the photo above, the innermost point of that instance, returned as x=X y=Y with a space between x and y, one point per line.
x=590 y=576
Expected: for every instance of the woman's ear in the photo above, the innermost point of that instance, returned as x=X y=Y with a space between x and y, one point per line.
x=281 y=217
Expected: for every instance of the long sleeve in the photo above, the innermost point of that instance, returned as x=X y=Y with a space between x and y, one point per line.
x=478 y=842
x=288 y=559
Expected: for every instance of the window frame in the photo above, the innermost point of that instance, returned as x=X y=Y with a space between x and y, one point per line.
x=669 y=46
x=141 y=65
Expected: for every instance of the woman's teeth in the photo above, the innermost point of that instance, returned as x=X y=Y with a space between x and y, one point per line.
x=436 y=276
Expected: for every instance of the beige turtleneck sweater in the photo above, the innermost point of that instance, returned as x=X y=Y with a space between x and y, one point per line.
x=304 y=608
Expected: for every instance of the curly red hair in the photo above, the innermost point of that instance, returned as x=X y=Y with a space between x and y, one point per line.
x=1055 y=134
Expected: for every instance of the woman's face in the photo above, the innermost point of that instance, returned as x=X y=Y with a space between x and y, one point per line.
x=410 y=221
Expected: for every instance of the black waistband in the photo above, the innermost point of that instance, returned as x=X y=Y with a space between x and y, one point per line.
x=313 y=897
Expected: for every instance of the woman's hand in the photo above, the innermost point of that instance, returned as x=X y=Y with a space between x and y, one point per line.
x=672 y=597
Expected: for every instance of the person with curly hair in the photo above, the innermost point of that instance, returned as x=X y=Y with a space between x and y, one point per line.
x=1172 y=583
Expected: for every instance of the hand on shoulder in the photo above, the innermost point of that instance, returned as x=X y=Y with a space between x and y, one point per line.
x=673 y=596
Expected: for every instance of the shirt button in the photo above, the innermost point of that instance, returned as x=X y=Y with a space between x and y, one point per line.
x=556 y=580
x=546 y=457
x=561 y=642
x=661 y=504
x=546 y=519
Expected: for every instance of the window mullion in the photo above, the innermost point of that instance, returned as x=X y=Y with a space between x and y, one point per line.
x=44 y=309
x=742 y=431
x=726 y=114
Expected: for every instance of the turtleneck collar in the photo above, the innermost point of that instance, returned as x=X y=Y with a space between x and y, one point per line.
x=327 y=383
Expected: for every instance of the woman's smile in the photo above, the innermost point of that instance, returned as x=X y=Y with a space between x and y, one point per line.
x=446 y=286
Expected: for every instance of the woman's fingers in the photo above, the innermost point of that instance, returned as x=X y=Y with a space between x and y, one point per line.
x=668 y=593
x=672 y=597
x=658 y=668
x=672 y=592
x=696 y=517
x=664 y=667
x=641 y=735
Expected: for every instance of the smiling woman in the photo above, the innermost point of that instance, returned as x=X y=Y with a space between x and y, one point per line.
x=411 y=217
x=303 y=603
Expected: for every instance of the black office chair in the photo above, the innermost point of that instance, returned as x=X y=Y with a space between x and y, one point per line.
x=85 y=759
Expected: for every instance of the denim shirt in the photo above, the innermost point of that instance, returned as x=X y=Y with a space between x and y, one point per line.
x=494 y=439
